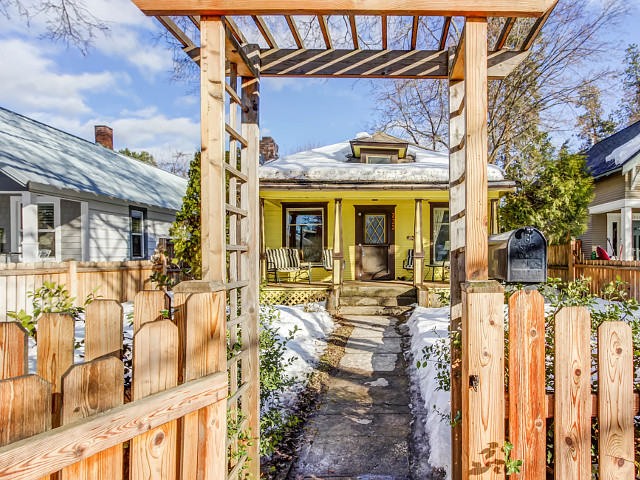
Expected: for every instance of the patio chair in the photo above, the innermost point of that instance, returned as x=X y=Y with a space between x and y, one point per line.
x=327 y=260
x=407 y=264
x=284 y=260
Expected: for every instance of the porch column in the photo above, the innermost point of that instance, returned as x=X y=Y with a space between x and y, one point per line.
x=30 y=246
x=338 y=255
x=263 y=245
x=626 y=237
x=418 y=247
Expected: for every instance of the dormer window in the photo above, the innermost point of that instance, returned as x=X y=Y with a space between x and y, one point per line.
x=378 y=159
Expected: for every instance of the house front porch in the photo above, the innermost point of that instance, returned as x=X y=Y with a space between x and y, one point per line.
x=353 y=293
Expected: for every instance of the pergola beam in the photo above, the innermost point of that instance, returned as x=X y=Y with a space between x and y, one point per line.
x=384 y=32
x=324 y=27
x=535 y=30
x=450 y=8
x=264 y=30
x=445 y=32
x=354 y=31
x=294 y=31
x=504 y=34
x=414 y=32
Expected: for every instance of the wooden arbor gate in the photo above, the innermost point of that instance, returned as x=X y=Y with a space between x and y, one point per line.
x=230 y=227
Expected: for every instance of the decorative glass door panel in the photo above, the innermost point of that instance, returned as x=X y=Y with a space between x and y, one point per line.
x=375 y=229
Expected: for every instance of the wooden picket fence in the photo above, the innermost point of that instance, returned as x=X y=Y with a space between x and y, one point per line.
x=576 y=402
x=568 y=263
x=73 y=419
x=120 y=281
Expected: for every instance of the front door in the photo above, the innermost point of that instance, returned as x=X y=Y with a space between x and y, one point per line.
x=375 y=238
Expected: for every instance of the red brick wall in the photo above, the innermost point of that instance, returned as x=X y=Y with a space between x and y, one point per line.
x=268 y=149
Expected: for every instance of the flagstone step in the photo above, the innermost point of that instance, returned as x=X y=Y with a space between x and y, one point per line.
x=365 y=301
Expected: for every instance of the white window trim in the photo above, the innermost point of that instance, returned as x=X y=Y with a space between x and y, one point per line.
x=305 y=209
x=143 y=243
x=16 y=214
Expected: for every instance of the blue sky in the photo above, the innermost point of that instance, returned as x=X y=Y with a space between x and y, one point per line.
x=125 y=82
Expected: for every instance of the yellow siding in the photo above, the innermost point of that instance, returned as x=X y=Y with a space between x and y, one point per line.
x=404 y=219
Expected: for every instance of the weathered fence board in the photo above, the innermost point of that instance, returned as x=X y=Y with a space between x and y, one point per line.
x=148 y=306
x=527 y=419
x=25 y=410
x=116 y=280
x=103 y=329
x=483 y=379
x=13 y=350
x=155 y=368
x=572 y=437
x=88 y=389
x=56 y=341
x=615 y=406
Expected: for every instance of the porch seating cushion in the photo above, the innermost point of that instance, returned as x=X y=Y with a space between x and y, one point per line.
x=408 y=263
x=327 y=259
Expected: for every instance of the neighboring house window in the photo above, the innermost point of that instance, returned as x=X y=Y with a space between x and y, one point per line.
x=48 y=226
x=305 y=231
x=138 y=226
x=441 y=244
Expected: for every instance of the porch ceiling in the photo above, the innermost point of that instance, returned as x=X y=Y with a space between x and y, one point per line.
x=279 y=47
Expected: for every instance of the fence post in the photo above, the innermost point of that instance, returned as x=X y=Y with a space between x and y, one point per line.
x=72 y=281
x=527 y=397
x=482 y=380
x=572 y=260
x=201 y=319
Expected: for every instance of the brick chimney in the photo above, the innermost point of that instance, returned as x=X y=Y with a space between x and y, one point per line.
x=104 y=136
x=268 y=149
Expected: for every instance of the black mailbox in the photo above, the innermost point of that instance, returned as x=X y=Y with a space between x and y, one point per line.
x=518 y=256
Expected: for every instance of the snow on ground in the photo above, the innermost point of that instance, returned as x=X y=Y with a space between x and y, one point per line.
x=330 y=163
x=427 y=326
x=309 y=341
x=313 y=324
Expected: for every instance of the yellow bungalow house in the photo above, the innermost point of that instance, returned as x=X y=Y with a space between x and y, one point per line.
x=367 y=191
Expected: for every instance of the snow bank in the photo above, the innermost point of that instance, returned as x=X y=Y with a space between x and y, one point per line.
x=329 y=163
x=427 y=326
x=309 y=341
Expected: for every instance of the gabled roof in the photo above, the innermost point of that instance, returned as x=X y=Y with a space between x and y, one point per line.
x=34 y=153
x=611 y=153
x=331 y=164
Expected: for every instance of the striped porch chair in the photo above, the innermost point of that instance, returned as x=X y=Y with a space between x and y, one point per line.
x=408 y=263
x=327 y=259
x=283 y=260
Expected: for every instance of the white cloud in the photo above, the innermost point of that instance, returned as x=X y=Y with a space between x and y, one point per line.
x=31 y=81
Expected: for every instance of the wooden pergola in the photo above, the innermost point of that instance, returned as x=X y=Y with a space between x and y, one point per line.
x=230 y=214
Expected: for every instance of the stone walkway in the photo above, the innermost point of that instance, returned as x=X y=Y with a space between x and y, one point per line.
x=362 y=428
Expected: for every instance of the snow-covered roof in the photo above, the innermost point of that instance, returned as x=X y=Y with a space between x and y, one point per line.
x=617 y=150
x=32 y=152
x=331 y=164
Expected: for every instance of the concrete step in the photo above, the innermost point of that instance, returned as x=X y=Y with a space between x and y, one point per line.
x=360 y=301
x=377 y=290
x=372 y=310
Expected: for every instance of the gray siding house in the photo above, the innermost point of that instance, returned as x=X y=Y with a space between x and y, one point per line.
x=64 y=197
x=614 y=213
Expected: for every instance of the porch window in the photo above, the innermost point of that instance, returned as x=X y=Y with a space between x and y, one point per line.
x=46 y=229
x=137 y=233
x=440 y=235
x=305 y=231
